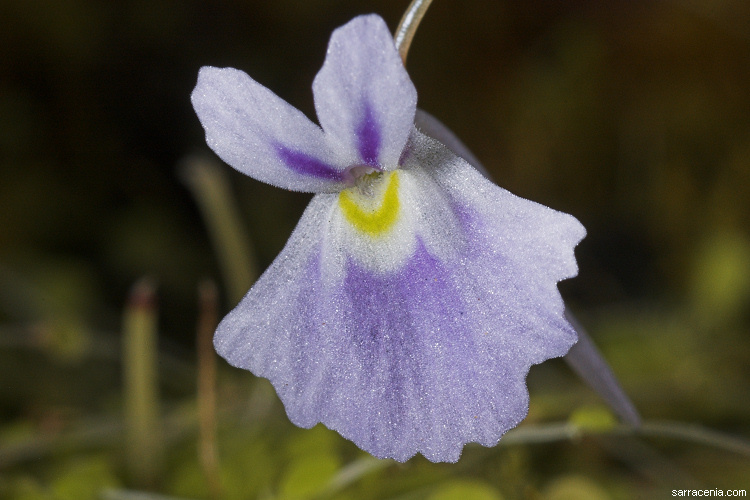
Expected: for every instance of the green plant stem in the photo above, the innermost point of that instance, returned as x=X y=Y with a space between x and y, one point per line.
x=182 y=421
x=143 y=440
x=211 y=190
x=677 y=431
x=115 y=494
x=695 y=434
x=91 y=434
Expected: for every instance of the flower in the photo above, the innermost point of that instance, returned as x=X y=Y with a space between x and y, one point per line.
x=414 y=295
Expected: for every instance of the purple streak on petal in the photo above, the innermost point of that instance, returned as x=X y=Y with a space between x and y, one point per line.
x=388 y=342
x=307 y=165
x=415 y=342
x=368 y=135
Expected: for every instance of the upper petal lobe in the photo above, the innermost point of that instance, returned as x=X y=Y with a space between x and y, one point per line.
x=262 y=136
x=363 y=96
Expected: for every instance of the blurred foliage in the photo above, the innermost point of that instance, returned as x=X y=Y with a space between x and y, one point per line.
x=634 y=116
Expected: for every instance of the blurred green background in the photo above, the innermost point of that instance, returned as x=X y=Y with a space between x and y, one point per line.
x=634 y=116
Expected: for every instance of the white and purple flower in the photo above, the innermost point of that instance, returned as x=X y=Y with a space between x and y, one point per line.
x=414 y=295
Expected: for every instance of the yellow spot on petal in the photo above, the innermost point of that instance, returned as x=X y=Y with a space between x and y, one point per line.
x=372 y=206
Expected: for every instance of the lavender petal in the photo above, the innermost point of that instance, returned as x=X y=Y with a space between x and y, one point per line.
x=364 y=98
x=247 y=125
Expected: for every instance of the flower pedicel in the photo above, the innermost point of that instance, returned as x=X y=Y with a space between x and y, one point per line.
x=411 y=300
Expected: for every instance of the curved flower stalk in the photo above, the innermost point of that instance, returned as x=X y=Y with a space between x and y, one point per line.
x=414 y=295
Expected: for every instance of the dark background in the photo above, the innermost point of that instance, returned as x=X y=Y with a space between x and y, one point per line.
x=634 y=116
